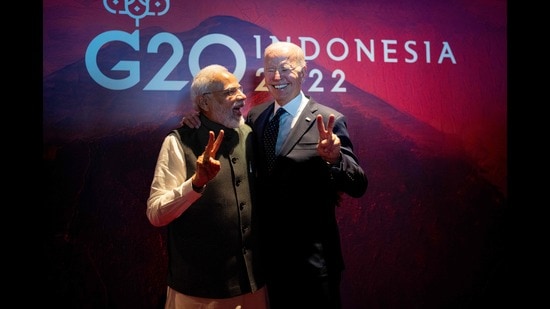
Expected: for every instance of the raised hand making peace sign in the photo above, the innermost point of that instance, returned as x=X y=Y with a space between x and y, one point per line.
x=207 y=165
x=329 y=143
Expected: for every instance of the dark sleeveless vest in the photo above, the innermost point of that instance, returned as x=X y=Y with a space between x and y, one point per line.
x=213 y=246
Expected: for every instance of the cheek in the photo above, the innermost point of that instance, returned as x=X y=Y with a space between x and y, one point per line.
x=225 y=108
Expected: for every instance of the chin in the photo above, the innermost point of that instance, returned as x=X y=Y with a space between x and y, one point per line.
x=234 y=123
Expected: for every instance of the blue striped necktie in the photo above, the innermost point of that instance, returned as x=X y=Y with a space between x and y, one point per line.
x=270 y=138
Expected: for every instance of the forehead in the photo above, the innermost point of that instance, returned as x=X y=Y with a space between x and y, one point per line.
x=280 y=53
x=227 y=79
x=278 y=61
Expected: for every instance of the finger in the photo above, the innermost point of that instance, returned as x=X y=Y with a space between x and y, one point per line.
x=193 y=121
x=209 y=146
x=217 y=143
x=330 y=124
x=186 y=122
x=321 y=126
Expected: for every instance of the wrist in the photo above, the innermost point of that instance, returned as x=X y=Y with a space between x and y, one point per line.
x=335 y=162
x=198 y=189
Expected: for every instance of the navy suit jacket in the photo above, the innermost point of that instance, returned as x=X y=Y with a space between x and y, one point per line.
x=300 y=196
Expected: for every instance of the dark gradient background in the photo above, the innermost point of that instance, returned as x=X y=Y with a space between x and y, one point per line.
x=432 y=231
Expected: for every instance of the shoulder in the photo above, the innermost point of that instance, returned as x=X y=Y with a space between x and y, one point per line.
x=190 y=136
x=257 y=110
x=318 y=108
x=171 y=142
x=181 y=131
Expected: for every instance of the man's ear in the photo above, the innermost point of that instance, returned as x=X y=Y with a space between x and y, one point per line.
x=303 y=72
x=203 y=103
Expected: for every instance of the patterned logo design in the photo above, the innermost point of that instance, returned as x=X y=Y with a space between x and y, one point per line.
x=137 y=9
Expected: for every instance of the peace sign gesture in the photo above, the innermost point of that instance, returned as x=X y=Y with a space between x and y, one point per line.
x=207 y=166
x=329 y=143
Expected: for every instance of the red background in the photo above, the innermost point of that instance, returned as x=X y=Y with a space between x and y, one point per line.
x=431 y=231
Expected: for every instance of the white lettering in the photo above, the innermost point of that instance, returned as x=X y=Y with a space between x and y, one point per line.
x=388 y=50
x=368 y=52
x=344 y=45
x=313 y=41
x=391 y=49
x=411 y=52
x=446 y=52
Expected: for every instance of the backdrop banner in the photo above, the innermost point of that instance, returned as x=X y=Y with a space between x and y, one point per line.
x=423 y=84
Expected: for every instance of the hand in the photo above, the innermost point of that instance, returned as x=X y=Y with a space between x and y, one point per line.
x=207 y=166
x=329 y=143
x=191 y=120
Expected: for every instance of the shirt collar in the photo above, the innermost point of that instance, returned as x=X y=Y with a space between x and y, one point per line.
x=294 y=106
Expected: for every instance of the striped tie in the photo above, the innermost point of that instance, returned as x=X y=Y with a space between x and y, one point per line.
x=270 y=138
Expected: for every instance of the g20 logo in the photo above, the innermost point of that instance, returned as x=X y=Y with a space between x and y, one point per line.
x=159 y=80
x=139 y=9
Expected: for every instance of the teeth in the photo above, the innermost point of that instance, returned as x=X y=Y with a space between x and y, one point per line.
x=279 y=86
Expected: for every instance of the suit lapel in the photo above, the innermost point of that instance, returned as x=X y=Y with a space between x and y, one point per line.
x=304 y=123
x=262 y=119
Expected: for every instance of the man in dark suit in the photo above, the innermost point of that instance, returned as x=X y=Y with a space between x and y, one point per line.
x=301 y=187
x=314 y=165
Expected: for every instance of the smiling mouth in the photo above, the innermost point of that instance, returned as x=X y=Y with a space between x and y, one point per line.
x=237 y=111
x=280 y=86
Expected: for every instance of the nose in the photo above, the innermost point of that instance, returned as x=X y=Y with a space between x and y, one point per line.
x=240 y=93
x=276 y=74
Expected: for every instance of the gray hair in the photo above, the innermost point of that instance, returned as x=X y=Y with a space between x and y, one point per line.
x=204 y=81
x=293 y=51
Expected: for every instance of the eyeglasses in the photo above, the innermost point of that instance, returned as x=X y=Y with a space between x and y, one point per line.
x=284 y=70
x=229 y=92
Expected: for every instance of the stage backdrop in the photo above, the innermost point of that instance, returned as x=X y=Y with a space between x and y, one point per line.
x=423 y=84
